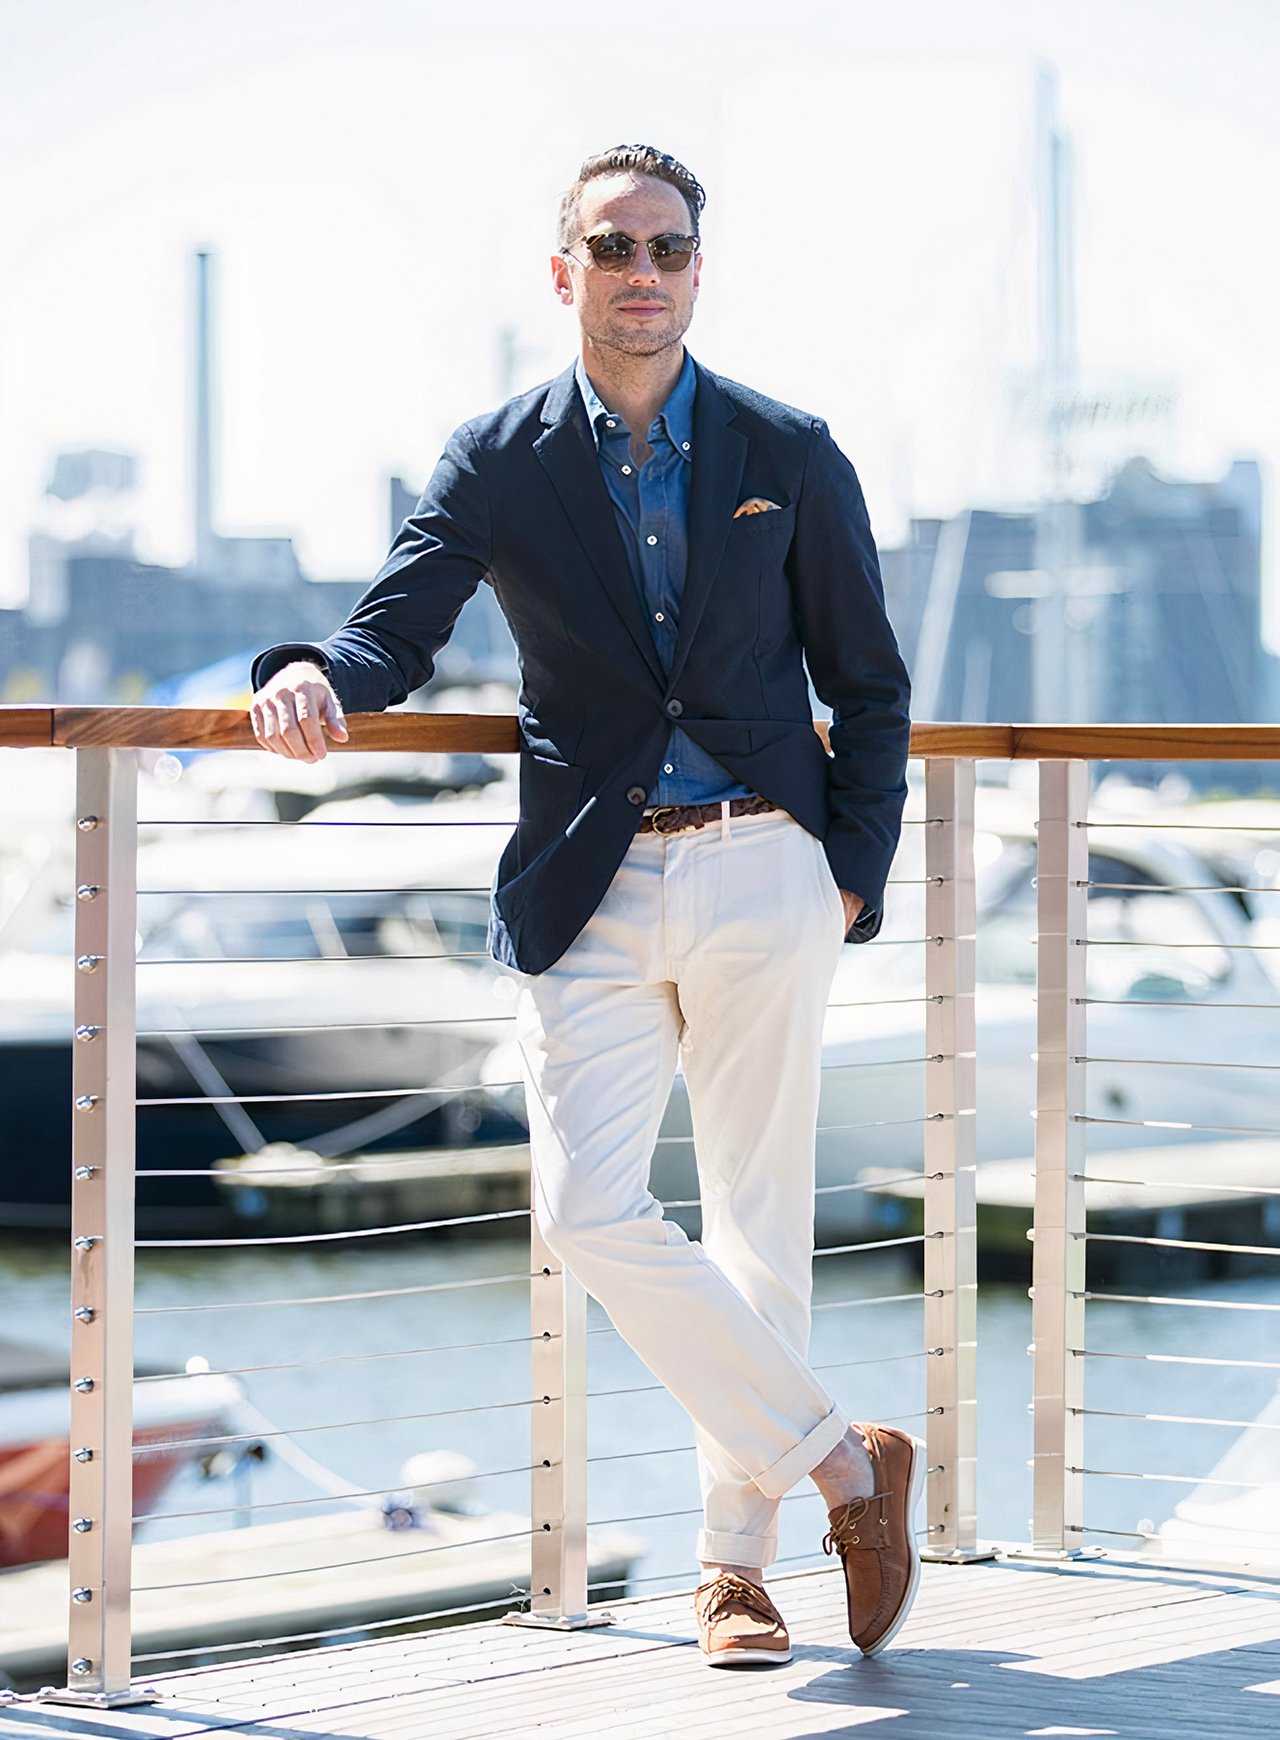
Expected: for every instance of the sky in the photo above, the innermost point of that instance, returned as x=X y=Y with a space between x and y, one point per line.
x=378 y=179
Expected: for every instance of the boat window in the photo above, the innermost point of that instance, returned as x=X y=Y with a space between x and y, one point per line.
x=1153 y=944
x=1149 y=944
x=281 y=927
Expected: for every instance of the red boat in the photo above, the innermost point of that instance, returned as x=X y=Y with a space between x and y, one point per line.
x=35 y=1447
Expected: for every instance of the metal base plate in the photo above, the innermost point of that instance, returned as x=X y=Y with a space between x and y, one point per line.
x=97 y=1700
x=972 y=1556
x=1068 y=1555
x=560 y=1621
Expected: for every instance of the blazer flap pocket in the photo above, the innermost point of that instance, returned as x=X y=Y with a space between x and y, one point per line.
x=548 y=788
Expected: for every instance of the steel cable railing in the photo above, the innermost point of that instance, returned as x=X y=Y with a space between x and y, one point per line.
x=1178 y=1359
x=334 y=1298
x=357 y=1496
x=1177 y=1124
x=328 y=1027
x=559 y=1334
x=1185 y=1304
x=103 y=1273
x=323 y=1238
x=1182 y=1244
x=392 y=1093
x=343 y=1239
x=310 y=960
x=213 y=1440
x=342 y=1359
x=337 y=1565
x=1064 y=1121
x=1182 y=1419
x=358 y=1628
x=1168 y=1184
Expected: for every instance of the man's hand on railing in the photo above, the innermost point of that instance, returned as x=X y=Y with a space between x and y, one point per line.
x=293 y=710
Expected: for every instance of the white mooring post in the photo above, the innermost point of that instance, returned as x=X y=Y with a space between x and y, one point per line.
x=1058 y=1261
x=558 y=1447
x=103 y=1090
x=950 y=1208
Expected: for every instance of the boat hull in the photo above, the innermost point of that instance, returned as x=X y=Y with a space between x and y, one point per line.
x=171 y=1414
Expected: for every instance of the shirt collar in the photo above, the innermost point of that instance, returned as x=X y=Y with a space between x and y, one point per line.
x=676 y=415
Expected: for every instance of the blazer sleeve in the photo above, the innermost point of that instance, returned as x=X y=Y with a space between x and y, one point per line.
x=857 y=671
x=388 y=645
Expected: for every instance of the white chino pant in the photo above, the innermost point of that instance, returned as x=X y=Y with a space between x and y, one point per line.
x=716 y=947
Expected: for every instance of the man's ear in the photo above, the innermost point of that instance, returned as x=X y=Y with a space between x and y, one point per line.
x=562 y=280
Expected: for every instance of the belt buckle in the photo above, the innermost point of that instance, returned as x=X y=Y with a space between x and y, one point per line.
x=665 y=810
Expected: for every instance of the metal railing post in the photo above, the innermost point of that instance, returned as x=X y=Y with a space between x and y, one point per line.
x=950 y=1206
x=558 y=1446
x=104 y=1089
x=1058 y=1261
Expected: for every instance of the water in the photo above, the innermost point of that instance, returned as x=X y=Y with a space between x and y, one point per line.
x=424 y=1400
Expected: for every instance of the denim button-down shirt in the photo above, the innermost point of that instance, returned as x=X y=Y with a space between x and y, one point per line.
x=651 y=505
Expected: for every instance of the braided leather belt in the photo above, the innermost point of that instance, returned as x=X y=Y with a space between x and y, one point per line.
x=680 y=818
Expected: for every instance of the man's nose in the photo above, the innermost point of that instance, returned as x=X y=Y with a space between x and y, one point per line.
x=643 y=270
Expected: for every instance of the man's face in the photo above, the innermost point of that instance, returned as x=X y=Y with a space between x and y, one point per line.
x=639 y=310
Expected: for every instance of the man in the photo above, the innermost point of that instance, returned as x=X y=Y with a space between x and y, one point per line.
x=669 y=549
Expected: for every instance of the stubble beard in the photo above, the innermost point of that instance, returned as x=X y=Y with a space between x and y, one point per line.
x=644 y=341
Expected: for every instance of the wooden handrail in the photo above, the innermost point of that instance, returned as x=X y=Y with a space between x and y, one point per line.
x=46 y=727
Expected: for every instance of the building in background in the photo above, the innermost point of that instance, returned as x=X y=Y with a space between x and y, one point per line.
x=1141 y=604
x=1153 y=594
x=101 y=626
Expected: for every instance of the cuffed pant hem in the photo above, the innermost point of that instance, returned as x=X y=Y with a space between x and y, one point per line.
x=757 y=1551
x=803 y=1457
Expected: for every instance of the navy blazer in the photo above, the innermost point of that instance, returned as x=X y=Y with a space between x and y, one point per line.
x=518 y=500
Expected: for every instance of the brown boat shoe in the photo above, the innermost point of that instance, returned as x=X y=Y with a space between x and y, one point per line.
x=876 y=1541
x=738 y=1625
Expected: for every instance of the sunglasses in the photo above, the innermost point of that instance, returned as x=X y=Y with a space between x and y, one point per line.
x=614 y=252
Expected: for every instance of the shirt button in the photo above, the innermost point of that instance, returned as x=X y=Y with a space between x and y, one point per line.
x=668 y=768
x=651 y=539
x=636 y=794
x=626 y=471
x=675 y=709
x=609 y=423
x=684 y=446
x=658 y=616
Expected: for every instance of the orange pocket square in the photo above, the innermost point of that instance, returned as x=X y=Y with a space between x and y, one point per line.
x=757 y=505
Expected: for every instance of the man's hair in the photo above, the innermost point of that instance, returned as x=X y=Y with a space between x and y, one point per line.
x=639 y=160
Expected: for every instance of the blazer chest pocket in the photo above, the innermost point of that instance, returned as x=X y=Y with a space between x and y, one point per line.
x=763 y=526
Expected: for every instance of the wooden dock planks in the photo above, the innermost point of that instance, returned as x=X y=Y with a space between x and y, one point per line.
x=990 y=1651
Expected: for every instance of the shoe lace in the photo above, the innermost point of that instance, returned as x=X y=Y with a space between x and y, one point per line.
x=722 y=1592
x=840 y=1534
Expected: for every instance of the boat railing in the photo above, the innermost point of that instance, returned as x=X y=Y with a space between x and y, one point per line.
x=106 y=1105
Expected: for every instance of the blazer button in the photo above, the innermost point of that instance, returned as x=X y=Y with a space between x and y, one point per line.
x=675 y=709
x=636 y=795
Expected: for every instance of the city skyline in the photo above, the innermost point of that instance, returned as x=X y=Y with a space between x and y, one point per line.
x=357 y=328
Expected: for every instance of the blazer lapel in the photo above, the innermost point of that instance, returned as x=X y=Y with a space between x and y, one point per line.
x=719 y=454
x=567 y=451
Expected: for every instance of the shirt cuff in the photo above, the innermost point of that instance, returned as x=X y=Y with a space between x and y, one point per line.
x=276 y=658
x=865 y=926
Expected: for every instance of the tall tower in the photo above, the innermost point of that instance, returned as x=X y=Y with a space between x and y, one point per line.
x=1062 y=671
x=206 y=542
x=1056 y=275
